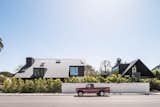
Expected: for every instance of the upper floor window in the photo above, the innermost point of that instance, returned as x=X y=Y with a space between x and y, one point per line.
x=42 y=64
x=58 y=61
x=73 y=71
x=39 y=72
x=134 y=69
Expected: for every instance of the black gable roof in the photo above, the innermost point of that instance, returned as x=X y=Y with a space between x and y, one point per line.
x=141 y=67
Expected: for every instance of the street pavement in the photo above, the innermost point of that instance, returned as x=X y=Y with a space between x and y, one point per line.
x=74 y=101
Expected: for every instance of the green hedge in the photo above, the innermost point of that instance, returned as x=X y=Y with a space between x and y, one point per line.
x=30 y=86
x=2 y=79
x=15 y=85
x=154 y=83
x=91 y=79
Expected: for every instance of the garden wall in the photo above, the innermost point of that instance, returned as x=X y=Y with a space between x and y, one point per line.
x=115 y=87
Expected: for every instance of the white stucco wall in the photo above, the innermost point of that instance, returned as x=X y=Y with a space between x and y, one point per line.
x=114 y=87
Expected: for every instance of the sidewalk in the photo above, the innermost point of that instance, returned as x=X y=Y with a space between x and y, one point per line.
x=67 y=94
x=36 y=94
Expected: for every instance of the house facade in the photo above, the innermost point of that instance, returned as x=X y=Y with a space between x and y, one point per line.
x=51 y=68
x=135 y=69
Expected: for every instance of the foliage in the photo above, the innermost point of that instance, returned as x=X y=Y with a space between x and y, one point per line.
x=15 y=85
x=118 y=79
x=1 y=44
x=154 y=83
x=2 y=79
x=7 y=86
x=6 y=74
x=101 y=79
x=72 y=80
x=156 y=73
x=29 y=86
x=40 y=85
x=90 y=71
x=57 y=85
x=90 y=79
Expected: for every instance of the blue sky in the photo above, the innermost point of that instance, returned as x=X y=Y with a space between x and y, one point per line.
x=89 y=29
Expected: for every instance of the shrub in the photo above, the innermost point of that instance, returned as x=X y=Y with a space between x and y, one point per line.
x=155 y=84
x=116 y=78
x=101 y=79
x=112 y=78
x=21 y=85
x=72 y=80
x=90 y=79
x=156 y=73
x=2 y=79
x=7 y=86
x=50 y=85
x=54 y=85
x=40 y=85
x=29 y=86
x=10 y=85
x=57 y=85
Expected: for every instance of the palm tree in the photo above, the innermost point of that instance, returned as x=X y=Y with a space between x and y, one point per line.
x=1 y=44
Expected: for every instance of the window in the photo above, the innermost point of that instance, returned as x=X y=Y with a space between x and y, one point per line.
x=134 y=70
x=39 y=72
x=73 y=71
x=42 y=64
x=115 y=69
x=58 y=61
x=90 y=86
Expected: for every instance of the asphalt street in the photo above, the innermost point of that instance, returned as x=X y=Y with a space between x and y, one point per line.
x=72 y=101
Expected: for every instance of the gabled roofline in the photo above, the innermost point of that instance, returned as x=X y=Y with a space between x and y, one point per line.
x=130 y=66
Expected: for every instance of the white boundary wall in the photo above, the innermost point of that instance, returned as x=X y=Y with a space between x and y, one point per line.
x=114 y=87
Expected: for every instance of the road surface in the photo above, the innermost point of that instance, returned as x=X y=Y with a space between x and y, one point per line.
x=72 y=101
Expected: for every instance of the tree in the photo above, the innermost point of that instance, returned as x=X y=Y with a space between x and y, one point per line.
x=7 y=86
x=1 y=44
x=6 y=74
x=156 y=73
x=89 y=71
x=28 y=87
x=105 y=68
x=119 y=61
x=2 y=79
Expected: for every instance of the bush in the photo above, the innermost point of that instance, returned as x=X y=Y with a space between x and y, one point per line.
x=21 y=85
x=29 y=86
x=101 y=79
x=156 y=73
x=2 y=79
x=40 y=85
x=72 y=80
x=155 y=84
x=50 y=85
x=115 y=78
x=90 y=79
x=57 y=85
x=7 y=86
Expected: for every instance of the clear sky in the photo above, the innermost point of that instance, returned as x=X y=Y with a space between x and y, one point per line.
x=89 y=29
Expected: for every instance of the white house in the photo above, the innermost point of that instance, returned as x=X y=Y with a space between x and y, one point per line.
x=51 y=68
